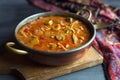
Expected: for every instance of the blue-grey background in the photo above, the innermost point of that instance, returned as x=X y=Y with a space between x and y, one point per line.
x=13 y=11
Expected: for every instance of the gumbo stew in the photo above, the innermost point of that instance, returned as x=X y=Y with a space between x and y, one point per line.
x=53 y=33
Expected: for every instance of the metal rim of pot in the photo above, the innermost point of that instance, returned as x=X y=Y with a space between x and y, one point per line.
x=10 y=45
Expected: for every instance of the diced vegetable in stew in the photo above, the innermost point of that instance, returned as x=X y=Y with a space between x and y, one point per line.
x=54 y=33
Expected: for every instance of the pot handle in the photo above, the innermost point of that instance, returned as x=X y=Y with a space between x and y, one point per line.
x=9 y=46
x=85 y=10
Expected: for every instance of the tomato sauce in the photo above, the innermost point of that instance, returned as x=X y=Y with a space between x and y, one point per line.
x=54 y=33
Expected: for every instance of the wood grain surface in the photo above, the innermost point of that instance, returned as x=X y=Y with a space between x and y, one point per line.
x=34 y=71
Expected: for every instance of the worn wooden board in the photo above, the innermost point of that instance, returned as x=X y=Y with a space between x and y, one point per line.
x=34 y=71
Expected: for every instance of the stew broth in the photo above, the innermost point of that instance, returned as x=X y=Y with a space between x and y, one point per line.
x=54 y=33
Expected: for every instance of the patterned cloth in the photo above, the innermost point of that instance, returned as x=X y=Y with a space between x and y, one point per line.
x=107 y=41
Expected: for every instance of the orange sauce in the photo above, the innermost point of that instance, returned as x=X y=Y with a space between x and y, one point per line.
x=54 y=33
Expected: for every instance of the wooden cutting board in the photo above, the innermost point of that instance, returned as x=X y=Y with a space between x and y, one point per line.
x=33 y=71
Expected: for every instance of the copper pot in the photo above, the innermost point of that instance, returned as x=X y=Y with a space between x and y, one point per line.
x=54 y=58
